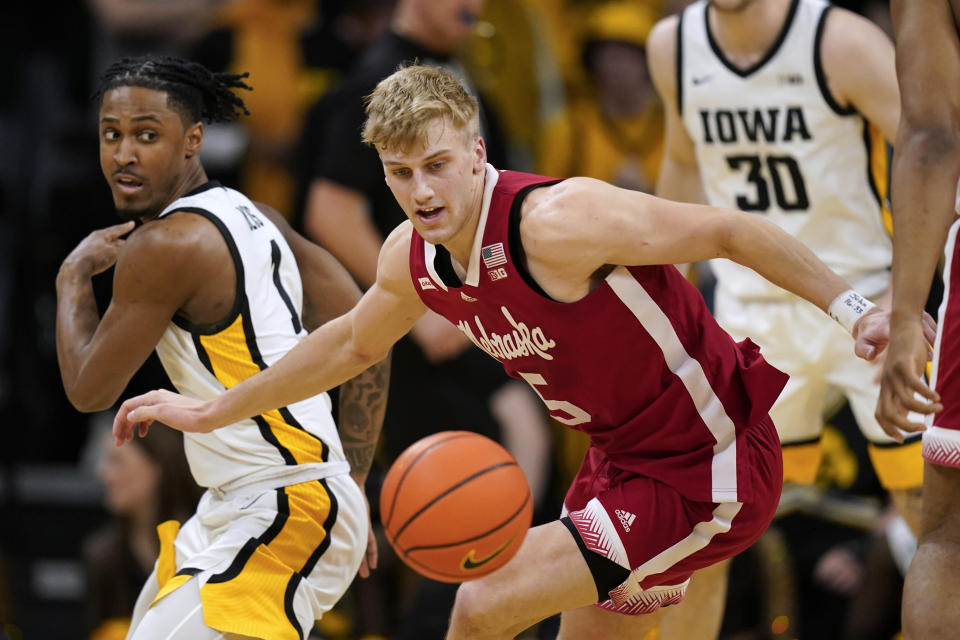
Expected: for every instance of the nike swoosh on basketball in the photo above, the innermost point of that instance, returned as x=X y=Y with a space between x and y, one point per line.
x=469 y=562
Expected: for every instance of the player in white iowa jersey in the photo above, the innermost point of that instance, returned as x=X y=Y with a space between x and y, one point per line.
x=676 y=410
x=782 y=108
x=213 y=281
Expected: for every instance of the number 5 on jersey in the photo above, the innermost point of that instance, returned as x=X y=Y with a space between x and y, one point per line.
x=576 y=415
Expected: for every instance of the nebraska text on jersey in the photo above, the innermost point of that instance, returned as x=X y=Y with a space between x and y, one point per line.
x=522 y=341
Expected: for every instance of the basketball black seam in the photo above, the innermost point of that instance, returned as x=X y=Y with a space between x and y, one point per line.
x=448 y=491
x=454 y=577
x=503 y=524
x=396 y=492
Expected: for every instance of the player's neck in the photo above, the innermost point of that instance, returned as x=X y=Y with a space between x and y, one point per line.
x=461 y=245
x=192 y=177
x=745 y=36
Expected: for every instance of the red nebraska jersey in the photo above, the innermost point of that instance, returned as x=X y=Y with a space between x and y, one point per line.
x=639 y=363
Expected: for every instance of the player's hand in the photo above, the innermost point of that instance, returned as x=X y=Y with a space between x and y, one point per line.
x=872 y=333
x=98 y=251
x=370 y=555
x=902 y=380
x=179 y=412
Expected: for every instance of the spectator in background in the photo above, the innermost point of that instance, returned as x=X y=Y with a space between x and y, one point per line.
x=137 y=27
x=331 y=50
x=144 y=485
x=349 y=207
x=614 y=132
x=266 y=42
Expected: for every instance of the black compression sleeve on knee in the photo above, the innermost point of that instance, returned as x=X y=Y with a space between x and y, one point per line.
x=607 y=574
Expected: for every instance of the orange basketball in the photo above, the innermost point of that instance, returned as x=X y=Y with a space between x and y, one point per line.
x=455 y=506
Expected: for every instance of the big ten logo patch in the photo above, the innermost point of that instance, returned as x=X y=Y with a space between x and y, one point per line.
x=497 y=274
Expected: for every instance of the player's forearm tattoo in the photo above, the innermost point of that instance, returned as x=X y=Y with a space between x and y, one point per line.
x=363 y=401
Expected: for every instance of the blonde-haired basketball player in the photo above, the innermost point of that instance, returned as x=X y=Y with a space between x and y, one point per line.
x=570 y=286
x=213 y=282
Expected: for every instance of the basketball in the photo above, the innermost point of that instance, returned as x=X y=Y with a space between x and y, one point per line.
x=455 y=506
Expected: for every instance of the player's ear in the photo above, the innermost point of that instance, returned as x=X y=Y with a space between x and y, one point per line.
x=479 y=155
x=193 y=139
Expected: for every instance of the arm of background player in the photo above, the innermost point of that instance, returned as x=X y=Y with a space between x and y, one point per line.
x=337 y=218
x=157 y=270
x=869 y=85
x=679 y=177
x=337 y=351
x=926 y=165
x=329 y=292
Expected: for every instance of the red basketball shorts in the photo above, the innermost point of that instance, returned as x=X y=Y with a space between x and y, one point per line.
x=658 y=535
x=941 y=440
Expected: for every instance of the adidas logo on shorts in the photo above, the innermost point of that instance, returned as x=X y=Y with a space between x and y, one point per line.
x=626 y=518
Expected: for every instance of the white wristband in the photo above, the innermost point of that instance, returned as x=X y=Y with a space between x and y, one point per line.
x=847 y=308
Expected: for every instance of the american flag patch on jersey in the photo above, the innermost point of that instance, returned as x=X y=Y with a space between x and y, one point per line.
x=493 y=255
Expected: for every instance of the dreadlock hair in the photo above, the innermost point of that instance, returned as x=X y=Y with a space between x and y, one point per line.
x=193 y=90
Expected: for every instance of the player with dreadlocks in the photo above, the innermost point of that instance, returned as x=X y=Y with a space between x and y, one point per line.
x=222 y=288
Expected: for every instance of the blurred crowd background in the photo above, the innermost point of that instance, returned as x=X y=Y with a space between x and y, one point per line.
x=564 y=91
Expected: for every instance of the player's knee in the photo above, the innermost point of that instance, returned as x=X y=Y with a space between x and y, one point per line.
x=475 y=611
x=943 y=530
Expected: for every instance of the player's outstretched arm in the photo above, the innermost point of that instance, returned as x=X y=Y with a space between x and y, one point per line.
x=335 y=352
x=601 y=225
x=572 y=230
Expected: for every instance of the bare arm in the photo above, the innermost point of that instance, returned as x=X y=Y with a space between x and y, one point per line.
x=154 y=276
x=870 y=85
x=335 y=352
x=926 y=165
x=575 y=228
x=927 y=152
x=679 y=177
x=337 y=218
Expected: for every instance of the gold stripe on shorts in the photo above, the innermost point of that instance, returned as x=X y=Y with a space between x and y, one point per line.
x=167 y=559
x=898 y=466
x=254 y=596
x=801 y=461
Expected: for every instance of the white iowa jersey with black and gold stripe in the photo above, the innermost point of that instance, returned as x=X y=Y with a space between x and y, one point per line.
x=772 y=140
x=263 y=325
